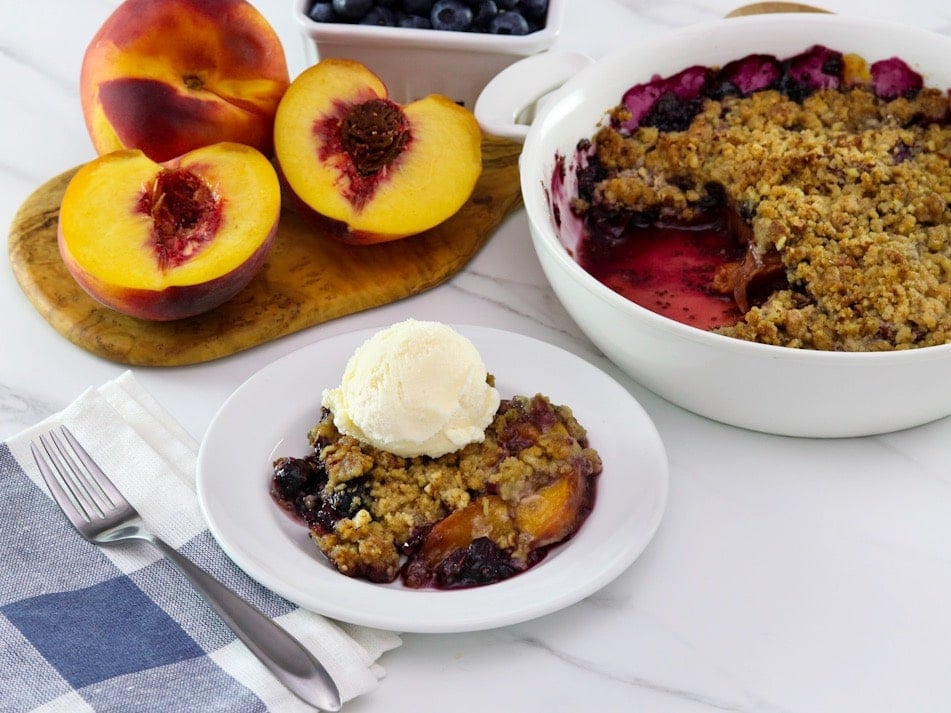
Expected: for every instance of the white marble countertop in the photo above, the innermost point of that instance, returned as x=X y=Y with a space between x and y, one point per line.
x=788 y=575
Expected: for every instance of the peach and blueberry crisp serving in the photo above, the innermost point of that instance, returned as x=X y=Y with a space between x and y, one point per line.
x=419 y=471
x=471 y=517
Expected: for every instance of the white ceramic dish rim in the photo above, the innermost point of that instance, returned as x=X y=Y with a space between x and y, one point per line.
x=341 y=33
x=536 y=160
x=249 y=430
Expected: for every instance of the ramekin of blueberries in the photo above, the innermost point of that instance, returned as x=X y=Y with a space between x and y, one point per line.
x=422 y=47
x=497 y=17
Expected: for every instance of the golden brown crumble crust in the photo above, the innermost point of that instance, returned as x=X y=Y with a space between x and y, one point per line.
x=851 y=190
x=410 y=493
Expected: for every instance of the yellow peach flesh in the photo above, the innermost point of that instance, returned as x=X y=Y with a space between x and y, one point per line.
x=486 y=517
x=105 y=233
x=413 y=200
x=298 y=144
x=550 y=514
x=426 y=183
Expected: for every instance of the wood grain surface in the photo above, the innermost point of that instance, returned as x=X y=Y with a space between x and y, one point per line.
x=307 y=280
x=760 y=8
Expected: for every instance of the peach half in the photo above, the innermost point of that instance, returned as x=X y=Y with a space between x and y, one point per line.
x=169 y=76
x=171 y=240
x=368 y=169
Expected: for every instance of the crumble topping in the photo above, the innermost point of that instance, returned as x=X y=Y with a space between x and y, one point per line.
x=845 y=193
x=372 y=513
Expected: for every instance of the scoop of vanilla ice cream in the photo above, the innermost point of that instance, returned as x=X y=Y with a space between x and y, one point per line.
x=415 y=388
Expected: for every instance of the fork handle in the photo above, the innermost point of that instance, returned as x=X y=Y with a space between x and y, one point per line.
x=281 y=653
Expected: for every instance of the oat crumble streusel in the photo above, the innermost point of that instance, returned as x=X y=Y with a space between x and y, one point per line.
x=849 y=193
x=368 y=509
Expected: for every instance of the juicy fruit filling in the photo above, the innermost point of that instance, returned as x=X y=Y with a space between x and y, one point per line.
x=798 y=202
x=499 y=17
x=473 y=517
x=185 y=212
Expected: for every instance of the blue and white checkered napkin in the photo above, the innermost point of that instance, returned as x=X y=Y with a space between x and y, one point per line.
x=118 y=629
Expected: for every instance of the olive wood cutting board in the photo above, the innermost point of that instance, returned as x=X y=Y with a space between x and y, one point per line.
x=308 y=279
x=760 y=8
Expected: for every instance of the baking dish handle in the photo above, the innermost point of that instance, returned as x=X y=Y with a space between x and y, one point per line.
x=509 y=102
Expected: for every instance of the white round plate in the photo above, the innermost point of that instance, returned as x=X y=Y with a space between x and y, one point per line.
x=270 y=414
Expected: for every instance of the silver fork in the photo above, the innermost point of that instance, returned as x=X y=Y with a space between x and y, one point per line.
x=102 y=515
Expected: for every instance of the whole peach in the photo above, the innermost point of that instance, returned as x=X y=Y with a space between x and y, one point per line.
x=169 y=76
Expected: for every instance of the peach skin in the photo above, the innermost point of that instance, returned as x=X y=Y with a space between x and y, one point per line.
x=169 y=76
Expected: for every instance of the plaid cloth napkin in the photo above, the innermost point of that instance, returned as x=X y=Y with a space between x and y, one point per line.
x=84 y=628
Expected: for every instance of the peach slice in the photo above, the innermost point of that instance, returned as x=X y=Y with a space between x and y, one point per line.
x=169 y=76
x=171 y=240
x=554 y=511
x=368 y=169
x=486 y=517
x=546 y=516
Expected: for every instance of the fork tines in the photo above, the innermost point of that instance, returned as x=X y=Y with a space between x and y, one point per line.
x=72 y=485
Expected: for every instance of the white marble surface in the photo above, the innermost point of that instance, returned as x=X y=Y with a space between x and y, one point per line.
x=788 y=576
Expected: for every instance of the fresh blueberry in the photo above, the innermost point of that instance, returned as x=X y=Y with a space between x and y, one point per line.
x=501 y=17
x=379 y=16
x=508 y=23
x=352 y=9
x=404 y=19
x=485 y=10
x=533 y=9
x=451 y=15
x=322 y=12
x=420 y=8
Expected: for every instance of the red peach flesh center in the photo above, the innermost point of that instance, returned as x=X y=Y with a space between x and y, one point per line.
x=185 y=212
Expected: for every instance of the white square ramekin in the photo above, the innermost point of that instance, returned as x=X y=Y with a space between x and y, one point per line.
x=414 y=63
